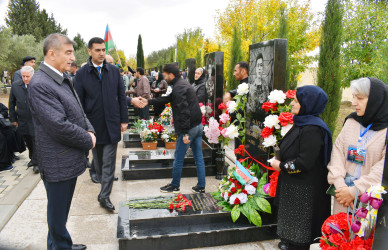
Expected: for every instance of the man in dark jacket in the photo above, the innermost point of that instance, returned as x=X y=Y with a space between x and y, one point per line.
x=241 y=74
x=27 y=61
x=101 y=90
x=187 y=122
x=63 y=135
x=20 y=115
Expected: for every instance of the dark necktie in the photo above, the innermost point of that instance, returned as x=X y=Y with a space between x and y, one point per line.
x=99 y=71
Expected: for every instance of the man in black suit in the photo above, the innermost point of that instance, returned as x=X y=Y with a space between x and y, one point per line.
x=63 y=135
x=101 y=90
x=20 y=115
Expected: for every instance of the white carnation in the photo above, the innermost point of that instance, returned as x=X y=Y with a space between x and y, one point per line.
x=270 y=141
x=208 y=109
x=226 y=195
x=272 y=121
x=243 y=89
x=242 y=197
x=232 y=105
x=231 y=186
x=285 y=129
x=232 y=132
x=232 y=199
x=250 y=189
x=277 y=96
x=165 y=136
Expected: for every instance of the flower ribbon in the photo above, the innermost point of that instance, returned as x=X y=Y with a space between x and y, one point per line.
x=257 y=161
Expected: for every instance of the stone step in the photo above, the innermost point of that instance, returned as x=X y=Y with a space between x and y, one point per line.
x=203 y=225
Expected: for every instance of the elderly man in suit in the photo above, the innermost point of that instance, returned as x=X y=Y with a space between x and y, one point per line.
x=20 y=115
x=63 y=135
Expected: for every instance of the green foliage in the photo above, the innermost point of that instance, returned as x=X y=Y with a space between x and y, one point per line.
x=365 y=52
x=161 y=57
x=329 y=67
x=140 y=53
x=80 y=42
x=188 y=44
x=235 y=57
x=25 y=18
x=199 y=59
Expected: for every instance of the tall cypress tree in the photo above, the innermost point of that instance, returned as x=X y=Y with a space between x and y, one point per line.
x=329 y=76
x=140 y=53
x=235 y=57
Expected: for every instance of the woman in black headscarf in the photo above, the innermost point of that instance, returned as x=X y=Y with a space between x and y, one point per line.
x=158 y=88
x=364 y=131
x=305 y=152
x=199 y=85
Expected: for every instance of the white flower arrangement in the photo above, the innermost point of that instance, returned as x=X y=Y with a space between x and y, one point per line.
x=243 y=89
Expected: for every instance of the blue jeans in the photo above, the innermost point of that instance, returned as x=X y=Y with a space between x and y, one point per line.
x=195 y=137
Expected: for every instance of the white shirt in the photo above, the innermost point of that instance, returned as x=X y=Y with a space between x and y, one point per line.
x=53 y=69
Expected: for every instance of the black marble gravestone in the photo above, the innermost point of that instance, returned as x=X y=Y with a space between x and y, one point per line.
x=214 y=81
x=191 y=67
x=267 y=71
x=158 y=164
x=202 y=225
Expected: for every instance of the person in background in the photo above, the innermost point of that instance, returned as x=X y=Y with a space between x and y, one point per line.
x=304 y=154
x=63 y=135
x=125 y=79
x=6 y=153
x=142 y=89
x=184 y=74
x=364 y=133
x=109 y=59
x=188 y=126
x=240 y=74
x=73 y=70
x=158 y=88
x=199 y=85
x=27 y=61
x=20 y=115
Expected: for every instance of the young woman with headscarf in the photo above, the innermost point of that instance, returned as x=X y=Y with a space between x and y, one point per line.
x=358 y=157
x=303 y=204
x=199 y=85
x=158 y=88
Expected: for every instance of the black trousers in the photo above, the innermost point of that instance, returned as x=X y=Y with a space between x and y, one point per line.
x=30 y=143
x=144 y=113
x=5 y=154
x=59 y=195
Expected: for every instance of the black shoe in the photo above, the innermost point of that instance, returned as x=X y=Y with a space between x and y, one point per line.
x=170 y=189
x=30 y=164
x=95 y=178
x=78 y=247
x=99 y=198
x=8 y=168
x=105 y=203
x=219 y=176
x=197 y=189
x=116 y=178
x=36 y=169
x=283 y=246
x=16 y=158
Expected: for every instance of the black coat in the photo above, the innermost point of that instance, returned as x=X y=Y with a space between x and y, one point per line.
x=184 y=103
x=301 y=193
x=60 y=124
x=104 y=101
x=19 y=108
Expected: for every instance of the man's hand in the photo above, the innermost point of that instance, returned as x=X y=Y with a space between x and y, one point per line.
x=15 y=123
x=137 y=102
x=186 y=139
x=275 y=163
x=344 y=196
x=93 y=138
x=124 y=126
x=156 y=90
x=143 y=101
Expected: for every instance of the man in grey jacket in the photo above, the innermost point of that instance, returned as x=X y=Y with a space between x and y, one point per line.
x=63 y=135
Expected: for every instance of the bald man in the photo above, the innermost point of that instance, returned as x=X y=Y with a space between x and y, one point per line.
x=109 y=59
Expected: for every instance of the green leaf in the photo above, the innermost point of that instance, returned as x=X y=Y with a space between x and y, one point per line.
x=255 y=217
x=227 y=208
x=235 y=213
x=217 y=196
x=263 y=204
x=263 y=181
x=253 y=204
x=245 y=210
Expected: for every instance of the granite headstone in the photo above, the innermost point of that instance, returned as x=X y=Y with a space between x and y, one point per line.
x=191 y=67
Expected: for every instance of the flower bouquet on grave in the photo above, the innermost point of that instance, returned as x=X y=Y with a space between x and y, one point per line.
x=165 y=118
x=149 y=136
x=169 y=137
x=354 y=229
x=276 y=125
x=207 y=112
x=178 y=203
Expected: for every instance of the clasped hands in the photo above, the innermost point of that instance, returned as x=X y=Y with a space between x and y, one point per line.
x=344 y=197
x=139 y=102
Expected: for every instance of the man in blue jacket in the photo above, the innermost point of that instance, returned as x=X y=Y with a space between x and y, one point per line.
x=63 y=135
x=101 y=90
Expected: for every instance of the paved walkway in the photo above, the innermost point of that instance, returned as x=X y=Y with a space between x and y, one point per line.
x=88 y=223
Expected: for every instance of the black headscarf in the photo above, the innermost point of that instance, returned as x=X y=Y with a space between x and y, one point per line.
x=160 y=77
x=201 y=79
x=312 y=100
x=376 y=111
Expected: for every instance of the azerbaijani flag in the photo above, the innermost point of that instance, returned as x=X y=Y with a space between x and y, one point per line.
x=242 y=174
x=108 y=39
